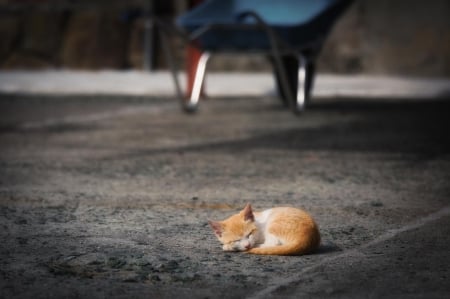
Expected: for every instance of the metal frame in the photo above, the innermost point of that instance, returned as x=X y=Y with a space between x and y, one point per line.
x=277 y=49
x=301 y=87
x=199 y=79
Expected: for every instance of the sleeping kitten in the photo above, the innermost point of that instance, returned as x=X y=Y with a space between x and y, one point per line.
x=276 y=231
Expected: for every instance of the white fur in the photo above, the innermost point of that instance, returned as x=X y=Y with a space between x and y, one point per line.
x=263 y=217
x=265 y=239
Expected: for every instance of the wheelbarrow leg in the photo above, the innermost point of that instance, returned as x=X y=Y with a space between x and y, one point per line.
x=301 y=85
x=192 y=103
x=300 y=75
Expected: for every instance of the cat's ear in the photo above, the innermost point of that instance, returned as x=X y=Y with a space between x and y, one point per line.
x=248 y=213
x=217 y=227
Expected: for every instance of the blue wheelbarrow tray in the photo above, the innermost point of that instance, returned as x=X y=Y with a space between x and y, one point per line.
x=224 y=25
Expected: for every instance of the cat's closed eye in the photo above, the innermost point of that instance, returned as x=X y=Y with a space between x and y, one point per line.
x=233 y=242
x=249 y=234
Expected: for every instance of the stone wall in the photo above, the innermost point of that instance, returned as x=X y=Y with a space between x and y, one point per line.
x=410 y=37
x=405 y=37
x=89 y=35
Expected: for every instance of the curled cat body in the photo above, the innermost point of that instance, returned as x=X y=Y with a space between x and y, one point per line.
x=276 y=231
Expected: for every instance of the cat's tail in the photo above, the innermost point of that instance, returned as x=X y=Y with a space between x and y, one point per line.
x=302 y=246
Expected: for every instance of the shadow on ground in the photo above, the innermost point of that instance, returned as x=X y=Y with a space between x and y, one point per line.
x=110 y=196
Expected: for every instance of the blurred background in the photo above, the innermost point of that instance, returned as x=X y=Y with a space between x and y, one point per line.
x=386 y=37
x=106 y=185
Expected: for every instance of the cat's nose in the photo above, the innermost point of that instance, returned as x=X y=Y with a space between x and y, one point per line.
x=248 y=246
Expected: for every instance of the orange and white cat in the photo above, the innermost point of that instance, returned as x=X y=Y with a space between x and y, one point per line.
x=276 y=231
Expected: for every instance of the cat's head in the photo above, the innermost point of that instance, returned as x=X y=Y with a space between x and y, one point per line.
x=238 y=232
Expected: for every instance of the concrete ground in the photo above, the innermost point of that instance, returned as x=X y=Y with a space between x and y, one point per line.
x=109 y=195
